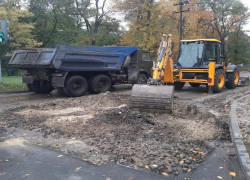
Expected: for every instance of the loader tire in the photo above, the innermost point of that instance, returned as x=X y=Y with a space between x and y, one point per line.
x=100 y=83
x=219 y=81
x=194 y=84
x=43 y=88
x=76 y=86
x=178 y=85
x=233 y=79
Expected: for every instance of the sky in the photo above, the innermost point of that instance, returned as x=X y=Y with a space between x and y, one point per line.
x=247 y=2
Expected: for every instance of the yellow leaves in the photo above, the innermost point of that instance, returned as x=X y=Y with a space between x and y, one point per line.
x=165 y=174
x=181 y=155
x=189 y=170
x=181 y=162
x=1 y=174
x=27 y=174
x=219 y=177
x=147 y=167
x=233 y=174
x=221 y=167
x=108 y=179
x=77 y=169
x=131 y=178
x=60 y=156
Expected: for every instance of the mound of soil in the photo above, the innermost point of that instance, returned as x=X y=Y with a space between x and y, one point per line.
x=102 y=128
x=243 y=114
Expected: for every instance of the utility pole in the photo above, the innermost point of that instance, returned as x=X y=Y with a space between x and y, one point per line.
x=181 y=4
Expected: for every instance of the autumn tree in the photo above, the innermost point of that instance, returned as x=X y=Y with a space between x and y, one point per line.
x=20 y=32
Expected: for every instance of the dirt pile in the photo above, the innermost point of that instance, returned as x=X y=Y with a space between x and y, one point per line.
x=104 y=129
x=243 y=115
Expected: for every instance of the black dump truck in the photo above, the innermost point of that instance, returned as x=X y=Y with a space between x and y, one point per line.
x=74 y=70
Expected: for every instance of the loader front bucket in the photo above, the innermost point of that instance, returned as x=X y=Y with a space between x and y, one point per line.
x=152 y=97
x=243 y=81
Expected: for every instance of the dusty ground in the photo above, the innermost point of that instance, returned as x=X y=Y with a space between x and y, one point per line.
x=107 y=130
x=101 y=128
x=243 y=114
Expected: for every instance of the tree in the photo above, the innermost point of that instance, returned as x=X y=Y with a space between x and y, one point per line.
x=239 y=51
x=226 y=15
x=20 y=31
x=73 y=22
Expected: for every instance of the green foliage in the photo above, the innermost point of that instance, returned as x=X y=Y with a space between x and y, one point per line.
x=239 y=51
x=12 y=83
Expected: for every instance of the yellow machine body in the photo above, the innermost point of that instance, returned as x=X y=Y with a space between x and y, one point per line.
x=158 y=95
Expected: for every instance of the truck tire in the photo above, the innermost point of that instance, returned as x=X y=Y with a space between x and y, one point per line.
x=194 y=84
x=178 y=85
x=219 y=80
x=75 y=86
x=29 y=86
x=233 y=79
x=100 y=83
x=43 y=88
x=141 y=79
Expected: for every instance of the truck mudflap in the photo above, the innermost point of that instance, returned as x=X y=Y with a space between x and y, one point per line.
x=243 y=81
x=27 y=79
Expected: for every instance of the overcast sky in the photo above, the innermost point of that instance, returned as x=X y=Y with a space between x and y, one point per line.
x=247 y=2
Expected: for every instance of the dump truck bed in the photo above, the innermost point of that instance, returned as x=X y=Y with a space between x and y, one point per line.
x=72 y=58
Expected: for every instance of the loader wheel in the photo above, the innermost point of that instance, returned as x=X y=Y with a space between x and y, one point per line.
x=178 y=85
x=219 y=80
x=76 y=86
x=194 y=84
x=29 y=86
x=41 y=88
x=233 y=79
x=100 y=83
x=141 y=79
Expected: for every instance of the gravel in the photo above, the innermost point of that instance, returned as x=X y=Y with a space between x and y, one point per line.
x=102 y=128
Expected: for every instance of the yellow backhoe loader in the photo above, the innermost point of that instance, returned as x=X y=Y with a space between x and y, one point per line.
x=199 y=62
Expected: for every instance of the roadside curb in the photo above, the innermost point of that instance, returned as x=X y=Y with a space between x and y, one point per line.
x=13 y=92
x=237 y=139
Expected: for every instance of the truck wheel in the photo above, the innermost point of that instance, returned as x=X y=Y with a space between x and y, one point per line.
x=141 y=79
x=233 y=79
x=194 y=84
x=178 y=85
x=61 y=92
x=29 y=86
x=100 y=83
x=76 y=86
x=219 y=80
x=43 y=88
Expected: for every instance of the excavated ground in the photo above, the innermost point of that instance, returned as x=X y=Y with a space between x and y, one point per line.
x=102 y=128
x=243 y=114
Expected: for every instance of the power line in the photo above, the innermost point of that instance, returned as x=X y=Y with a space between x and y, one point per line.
x=181 y=4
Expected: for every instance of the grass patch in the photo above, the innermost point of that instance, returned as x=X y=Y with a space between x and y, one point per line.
x=12 y=83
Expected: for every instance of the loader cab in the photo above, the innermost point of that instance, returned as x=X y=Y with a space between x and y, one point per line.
x=198 y=53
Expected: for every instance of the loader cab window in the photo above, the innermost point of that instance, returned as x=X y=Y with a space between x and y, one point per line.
x=145 y=56
x=190 y=54
x=212 y=52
